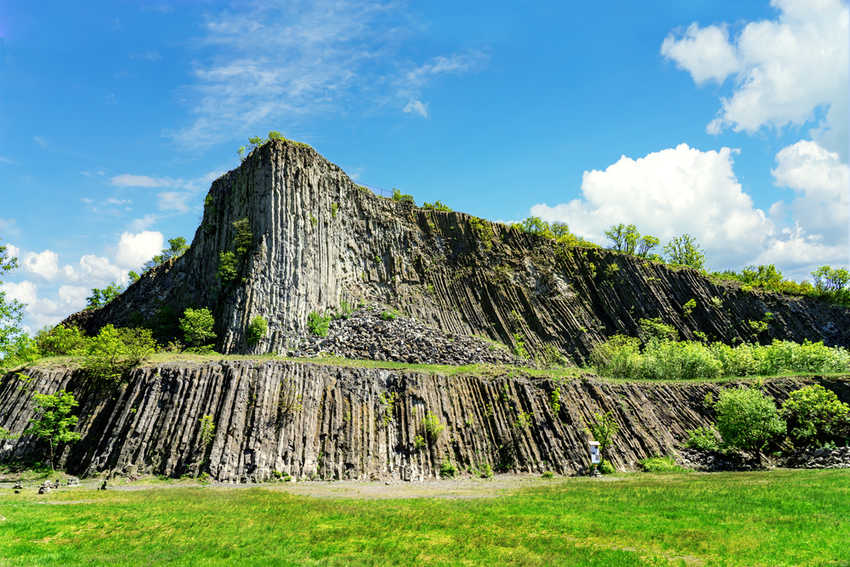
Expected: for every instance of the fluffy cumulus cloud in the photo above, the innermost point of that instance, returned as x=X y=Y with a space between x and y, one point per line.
x=667 y=193
x=704 y=52
x=787 y=70
x=821 y=183
x=61 y=289
x=134 y=249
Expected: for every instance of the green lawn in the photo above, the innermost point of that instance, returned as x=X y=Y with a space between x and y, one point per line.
x=765 y=518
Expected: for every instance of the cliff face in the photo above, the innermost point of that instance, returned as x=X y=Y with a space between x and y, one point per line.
x=315 y=421
x=314 y=239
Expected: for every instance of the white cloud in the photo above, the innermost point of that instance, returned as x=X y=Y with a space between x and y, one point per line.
x=118 y=202
x=12 y=251
x=44 y=264
x=704 y=52
x=667 y=193
x=94 y=269
x=822 y=184
x=24 y=291
x=786 y=70
x=143 y=223
x=269 y=64
x=417 y=107
x=134 y=249
x=130 y=180
x=174 y=201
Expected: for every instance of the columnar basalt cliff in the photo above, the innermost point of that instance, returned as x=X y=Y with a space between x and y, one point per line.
x=300 y=236
x=336 y=422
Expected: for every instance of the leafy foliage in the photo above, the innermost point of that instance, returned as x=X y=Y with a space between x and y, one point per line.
x=684 y=251
x=197 y=326
x=60 y=340
x=318 y=323
x=747 y=419
x=436 y=206
x=113 y=351
x=447 y=469
x=400 y=197
x=556 y=231
x=703 y=439
x=101 y=296
x=53 y=421
x=207 y=432
x=433 y=427
x=603 y=428
x=176 y=248
x=660 y=465
x=227 y=267
x=815 y=417
x=257 y=329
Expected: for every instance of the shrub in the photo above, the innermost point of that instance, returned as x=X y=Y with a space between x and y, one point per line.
x=816 y=417
x=682 y=360
x=519 y=347
x=60 y=340
x=618 y=357
x=207 y=432
x=702 y=439
x=605 y=467
x=660 y=465
x=603 y=428
x=747 y=419
x=318 y=324
x=403 y=197
x=197 y=326
x=257 y=329
x=418 y=442
x=485 y=470
x=111 y=352
x=547 y=475
x=389 y=315
x=433 y=427
x=447 y=469
x=436 y=206
x=227 y=267
x=656 y=329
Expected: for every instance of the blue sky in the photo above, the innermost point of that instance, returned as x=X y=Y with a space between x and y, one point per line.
x=727 y=120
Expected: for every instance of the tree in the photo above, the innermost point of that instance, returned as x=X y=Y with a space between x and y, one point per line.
x=197 y=326
x=623 y=237
x=603 y=427
x=53 y=421
x=60 y=340
x=684 y=251
x=830 y=280
x=11 y=311
x=646 y=245
x=766 y=276
x=815 y=416
x=747 y=419
x=176 y=247
x=101 y=296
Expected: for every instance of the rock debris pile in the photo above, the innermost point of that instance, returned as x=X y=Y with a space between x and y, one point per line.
x=371 y=334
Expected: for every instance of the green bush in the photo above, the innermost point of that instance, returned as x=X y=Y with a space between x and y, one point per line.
x=747 y=419
x=447 y=469
x=111 y=352
x=436 y=206
x=702 y=439
x=603 y=428
x=816 y=417
x=389 y=315
x=433 y=427
x=605 y=467
x=484 y=470
x=60 y=340
x=660 y=465
x=403 y=197
x=197 y=326
x=257 y=329
x=318 y=324
x=227 y=267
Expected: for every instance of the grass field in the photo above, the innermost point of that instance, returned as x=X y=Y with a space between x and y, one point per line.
x=765 y=518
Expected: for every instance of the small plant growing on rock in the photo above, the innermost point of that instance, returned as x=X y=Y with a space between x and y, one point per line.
x=523 y=420
x=418 y=442
x=689 y=307
x=257 y=329
x=485 y=470
x=702 y=439
x=433 y=427
x=318 y=324
x=519 y=347
x=389 y=315
x=447 y=469
x=227 y=265
x=387 y=400
x=207 y=431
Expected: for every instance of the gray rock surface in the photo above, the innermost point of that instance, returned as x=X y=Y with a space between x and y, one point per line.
x=317 y=239
x=370 y=333
x=316 y=421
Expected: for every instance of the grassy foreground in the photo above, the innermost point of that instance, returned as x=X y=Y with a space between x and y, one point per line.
x=764 y=518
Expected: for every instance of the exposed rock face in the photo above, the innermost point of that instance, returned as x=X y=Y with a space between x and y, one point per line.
x=310 y=420
x=311 y=238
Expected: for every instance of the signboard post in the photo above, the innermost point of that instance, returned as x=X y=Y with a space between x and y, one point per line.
x=595 y=456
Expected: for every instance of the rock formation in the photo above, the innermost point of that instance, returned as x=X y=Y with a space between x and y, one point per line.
x=312 y=420
x=288 y=233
